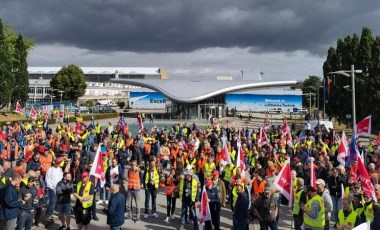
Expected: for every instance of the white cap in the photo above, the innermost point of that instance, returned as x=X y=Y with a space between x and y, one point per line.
x=189 y=167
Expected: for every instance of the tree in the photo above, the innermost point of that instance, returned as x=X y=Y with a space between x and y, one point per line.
x=69 y=80
x=364 y=53
x=6 y=75
x=20 y=71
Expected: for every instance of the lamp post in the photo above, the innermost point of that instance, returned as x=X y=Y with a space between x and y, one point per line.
x=352 y=74
x=310 y=94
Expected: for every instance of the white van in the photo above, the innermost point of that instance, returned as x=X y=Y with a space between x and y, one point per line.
x=274 y=110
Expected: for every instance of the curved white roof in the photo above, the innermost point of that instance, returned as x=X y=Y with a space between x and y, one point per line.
x=190 y=91
x=99 y=70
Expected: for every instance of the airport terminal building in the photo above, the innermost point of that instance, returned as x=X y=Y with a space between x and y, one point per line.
x=151 y=88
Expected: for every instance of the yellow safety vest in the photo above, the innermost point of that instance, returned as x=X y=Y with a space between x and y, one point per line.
x=209 y=167
x=358 y=210
x=97 y=129
x=318 y=222
x=349 y=222
x=296 y=204
x=368 y=211
x=194 y=189
x=156 y=178
x=86 y=192
x=228 y=172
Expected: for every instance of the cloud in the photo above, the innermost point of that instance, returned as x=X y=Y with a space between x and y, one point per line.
x=184 y=26
x=197 y=38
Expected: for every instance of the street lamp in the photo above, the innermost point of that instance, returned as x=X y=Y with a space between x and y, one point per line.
x=310 y=94
x=352 y=74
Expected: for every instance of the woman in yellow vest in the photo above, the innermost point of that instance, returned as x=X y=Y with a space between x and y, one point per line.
x=188 y=194
x=314 y=210
x=348 y=219
x=84 y=195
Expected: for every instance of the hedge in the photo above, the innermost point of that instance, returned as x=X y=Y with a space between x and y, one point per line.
x=86 y=117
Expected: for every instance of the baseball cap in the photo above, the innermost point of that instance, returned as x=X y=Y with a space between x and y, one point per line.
x=58 y=160
x=215 y=173
x=31 y=179
x=367 y=193
x=84 y=174
x=357 y=185
x=189 y=167
x=321 y=181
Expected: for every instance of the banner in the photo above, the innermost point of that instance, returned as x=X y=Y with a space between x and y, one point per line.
x=365 y=179
x=97 y=168
x=363 y=127
x=313 y=177
x=18 y=108
x=224 y=155
x=33 y=113
x=204 y=213
x=283 y=182
x=342 y=150
x=263 y=138
x=240 y=162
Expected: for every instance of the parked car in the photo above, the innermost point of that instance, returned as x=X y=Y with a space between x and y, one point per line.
x=84 y=109
x=72 y=109
x=124 y=112
x=297 y=111
x=275 y=111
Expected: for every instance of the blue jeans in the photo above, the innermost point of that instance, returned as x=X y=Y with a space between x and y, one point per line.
x=115 y=227
x=25 y=220
x=52 y=200
x=337 y=205
x=150 y=193
x=239 y=225
x=193 y=215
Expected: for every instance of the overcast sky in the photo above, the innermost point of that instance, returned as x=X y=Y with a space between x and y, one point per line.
x=286 y=39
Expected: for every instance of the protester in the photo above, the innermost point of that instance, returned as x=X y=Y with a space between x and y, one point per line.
x=299 y=200
x=189 y=195
x=84 y=195
x=214 y=205
x=348 y=219
x=25 y=218
x=266 y=209
x=328 y=205
x=314 y=211
x=172 y=194
x=151 y=180
x=116 y=208
x=10 y=203
x=64 y=191
x=240 y=213
x=133 y=192
x=53 y=176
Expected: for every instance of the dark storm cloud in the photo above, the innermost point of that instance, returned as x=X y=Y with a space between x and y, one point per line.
x=184 y=25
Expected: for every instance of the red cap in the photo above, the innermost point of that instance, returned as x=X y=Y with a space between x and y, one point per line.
x=58 y=160
x=367 y=193
x=84 y=174
x=215 y=173
x=208 y=182
x=21 y=172
x=41 y=149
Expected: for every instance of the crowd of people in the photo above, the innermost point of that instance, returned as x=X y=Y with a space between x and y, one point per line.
x=45 y=170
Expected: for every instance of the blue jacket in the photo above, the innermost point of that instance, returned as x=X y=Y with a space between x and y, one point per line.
x=10 y=204
x=241 y=209
x=116 y=209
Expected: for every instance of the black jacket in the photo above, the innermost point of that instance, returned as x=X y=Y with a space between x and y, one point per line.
x=241 y=209
x=10 y=203
x=116 y=209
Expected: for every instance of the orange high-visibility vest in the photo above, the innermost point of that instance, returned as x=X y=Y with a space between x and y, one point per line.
x=134 y=180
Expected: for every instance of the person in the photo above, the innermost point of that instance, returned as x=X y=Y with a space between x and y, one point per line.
x=189 y=195
x=151 y=181
x=219 y=184
x=371 y=210
x=64 y=191
x=10 y=203
x=133 y=192
x=334 y=182
x=116 y=208
x=347 y=218
x=214 y=205
x=25 y=218
x=327 y=202
x=53 y=176
x=84 y=195
x=299 y=200
x=314 y=211
x=240 y=213
x=113 y=173
x=171 y=194
x=266 y=210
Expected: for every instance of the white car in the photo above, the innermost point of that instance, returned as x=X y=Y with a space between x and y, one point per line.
x=275 y=110
x=302 y=111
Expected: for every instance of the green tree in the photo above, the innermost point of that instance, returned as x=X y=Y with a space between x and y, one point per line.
x=69 y=80
x=311 y=85
x=20 y=71
x=6 y=75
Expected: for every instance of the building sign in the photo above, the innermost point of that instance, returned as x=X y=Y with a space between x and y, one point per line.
x=261 y=102
x=147 y=100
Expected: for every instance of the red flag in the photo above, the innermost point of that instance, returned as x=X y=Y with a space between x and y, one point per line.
x=224 y=155
x=33 y=113
x=343 y=149
x=284 y=128
x=378 y=140
x=97 y=168
x=18 y=108
x=240 y=162
x=363 y=127
x=283 y=182
x=365 y=179
x=141 y=125
x=204 y=213
x=263 y=138
x=313 y=177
